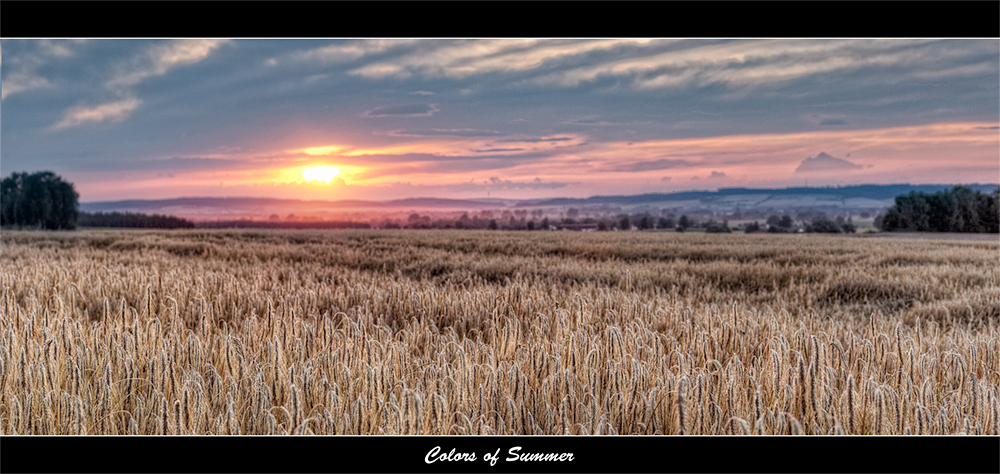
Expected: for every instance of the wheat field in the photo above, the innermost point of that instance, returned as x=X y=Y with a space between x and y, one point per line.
x=478 y=332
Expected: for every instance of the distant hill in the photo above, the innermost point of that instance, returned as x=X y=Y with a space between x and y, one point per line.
x=868 y=196
x=865 y=191
x=226 y=202
x=253 y=202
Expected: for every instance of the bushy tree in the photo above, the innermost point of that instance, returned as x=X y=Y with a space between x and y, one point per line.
x=685 y=222
x=644 y=222
x=623 y=224
x=786 y=222
x=780 y=224
x=715 y=228
x=955 y=210
x=40 y=200
x=824 y=225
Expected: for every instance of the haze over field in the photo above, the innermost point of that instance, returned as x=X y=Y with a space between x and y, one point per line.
x=383 y=119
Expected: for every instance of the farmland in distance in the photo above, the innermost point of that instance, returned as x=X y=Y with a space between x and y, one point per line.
x=477 y=332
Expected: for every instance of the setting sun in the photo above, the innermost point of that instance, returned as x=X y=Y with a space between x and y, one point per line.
x=320 y=173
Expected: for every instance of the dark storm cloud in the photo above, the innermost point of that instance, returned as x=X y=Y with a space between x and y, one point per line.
x=824 y=162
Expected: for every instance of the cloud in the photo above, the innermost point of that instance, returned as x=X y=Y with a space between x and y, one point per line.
x=162 y=58
x=715 y=176
x=157 y=61
x=59 y=48
x=833 y=121
x=462 y=58
x=21 y=81
x=109 y=112
x=448 y=132
x=589 y=120
x=751 y=63
x=821 y=120
x=497 y=184
x=493 y=150
x=661 y=164
x=824 y=162
x=22 y=70
x=340 y=51
x=408 y=110
x=535 y=140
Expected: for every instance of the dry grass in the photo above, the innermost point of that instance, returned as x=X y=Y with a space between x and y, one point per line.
x=411 y=332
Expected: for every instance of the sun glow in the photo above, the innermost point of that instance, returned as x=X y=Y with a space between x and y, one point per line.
x=319 y=150
x=320 y=173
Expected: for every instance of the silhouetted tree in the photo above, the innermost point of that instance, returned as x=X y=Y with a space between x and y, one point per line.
x=824 y=225
x=623 y=224
x=684 y=222
x=786 y=222
x=644 y=222
x=39 y=199
x=955 y=210
x=715 y=228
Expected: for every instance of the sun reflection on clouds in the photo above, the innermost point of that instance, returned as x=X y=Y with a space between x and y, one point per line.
x=319 y=150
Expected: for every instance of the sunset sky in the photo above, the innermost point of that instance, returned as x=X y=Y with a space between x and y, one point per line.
x=512 y=118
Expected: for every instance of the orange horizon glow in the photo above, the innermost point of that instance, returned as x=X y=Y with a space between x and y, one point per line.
x=934 y=153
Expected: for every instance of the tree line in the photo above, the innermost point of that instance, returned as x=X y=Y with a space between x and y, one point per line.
x=43 y=200
x=249 y=224
x=133 y=220
x=956 y=210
